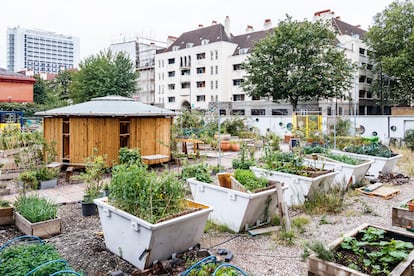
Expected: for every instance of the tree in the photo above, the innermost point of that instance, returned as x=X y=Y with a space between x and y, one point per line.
x=104 y=74
x=299 y=61
x=40 y=90
x=391 y=39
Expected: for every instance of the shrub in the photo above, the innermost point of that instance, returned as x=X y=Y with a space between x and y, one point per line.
x=200 y=171
x=249 y=180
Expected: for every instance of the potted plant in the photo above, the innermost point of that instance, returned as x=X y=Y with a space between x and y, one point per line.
x=6 y=212
x=37 y=216
x=245 y=202
x=234 y=145
x=150 y=211
x=367 y=250
x=93 y=177
x=28 y=180
x=46 y=177
x=300 y=179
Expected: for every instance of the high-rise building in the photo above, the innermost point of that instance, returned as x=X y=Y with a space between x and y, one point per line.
x=141 y=51
x=40 y=51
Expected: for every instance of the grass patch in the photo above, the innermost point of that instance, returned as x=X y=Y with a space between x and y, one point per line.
x=35 y=208
x=299 y=222
x=324 y=202
x=221 y=228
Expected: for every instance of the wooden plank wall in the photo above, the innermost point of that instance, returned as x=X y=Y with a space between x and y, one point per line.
x=52 y=132
x=87 y=133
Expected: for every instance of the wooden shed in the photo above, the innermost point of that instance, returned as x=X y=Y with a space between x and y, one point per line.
x=108 y=124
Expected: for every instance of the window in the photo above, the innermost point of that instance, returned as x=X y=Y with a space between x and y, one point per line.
x=211 y=55
x=201 y=84
x=201 y=56
x=237 y=82
x=212 y=85
x=238 y=112
x=185 y=85
x=216 y=84
x=201 y=98
x=185 y=72
x=171 y=74
x=238 y=98
x=124 y=127
x=204 y=42
x=171 y=86
x=222 y=112
x=369 y=66
x=189 y=45
x=176 y=48
x=369 y=80
x=362 y=51
x=201 y=70
x=279 y=112
x=361 y=93
x=171 y=99
x=362 y=79
x=258 y=112
x=171 y=60
x=211 y=70
x=243 y=51
x=237 y=67
x=216 y=54
x=216 y=69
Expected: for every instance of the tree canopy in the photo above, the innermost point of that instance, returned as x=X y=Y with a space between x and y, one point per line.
x=299 y=61
x=391 y=39
x=102 y=75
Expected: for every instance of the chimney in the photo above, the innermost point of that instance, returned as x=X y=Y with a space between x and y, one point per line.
x=200 y=25
x=267 y=24
x=214 y=22
x=227 y=25
x=170 y=40
x=249 y=29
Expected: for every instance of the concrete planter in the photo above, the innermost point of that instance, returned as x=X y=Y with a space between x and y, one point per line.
x=318 y=267
x=347 y=174
x=43 y=229
x=236 y=209
x=6 y=215
x=380 y=164
x=298 y=187
x=140 y=242
x=47 y=184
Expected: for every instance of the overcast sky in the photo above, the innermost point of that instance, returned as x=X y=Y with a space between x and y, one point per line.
x=99 y=22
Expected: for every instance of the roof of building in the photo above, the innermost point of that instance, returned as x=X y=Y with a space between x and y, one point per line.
x=214 y=33
x=344 y=28
x=10 y=75
x=113 y=106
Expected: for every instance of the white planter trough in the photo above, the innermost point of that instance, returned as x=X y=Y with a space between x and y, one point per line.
x=380 y=164
x=347 y=174
x=298 y=187
x=237 y=210
x=141 y=243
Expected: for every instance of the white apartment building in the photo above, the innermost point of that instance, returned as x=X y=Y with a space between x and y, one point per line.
x=141 y=52
x=40 y=51
x=203 y=66
x=360 y=99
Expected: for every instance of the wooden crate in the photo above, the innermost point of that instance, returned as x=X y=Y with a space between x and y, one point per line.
x=42 y=229
x=402 y=217
x=318 y=267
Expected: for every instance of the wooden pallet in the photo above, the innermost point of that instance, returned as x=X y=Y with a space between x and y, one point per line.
x=383 y=192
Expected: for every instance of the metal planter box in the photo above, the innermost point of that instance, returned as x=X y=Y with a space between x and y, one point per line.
x=318 y=267
x=43 y=229
x=347 y=174
x=237 y=210
x=298 y=187
x=47 y=184
x=140 y=242
x=381 y=164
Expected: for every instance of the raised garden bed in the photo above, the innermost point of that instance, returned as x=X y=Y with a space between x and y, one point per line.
x=299 y=187
x=43 y=229
x=367 y=250
x=402 y=216
x=233 y=206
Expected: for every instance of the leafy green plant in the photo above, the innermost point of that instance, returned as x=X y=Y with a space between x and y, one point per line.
x=44 y=173
x=375 y=253
x=20 y=259
x=249 y=180
x=94 y=176
x=200 y=171
x=314 y=149
x=146 y=194
x=287 y=162
x=129 y=156
x=29 y=180
x=243 y=161
x=35 y=208
x=344 y=159
x=409 y=138
x=374 y=149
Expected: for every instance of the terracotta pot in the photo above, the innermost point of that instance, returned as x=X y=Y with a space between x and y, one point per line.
x=235 y=146
x=225 y=145
x=410 y=205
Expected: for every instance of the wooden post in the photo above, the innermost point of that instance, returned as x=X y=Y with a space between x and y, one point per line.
x=283 y=210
